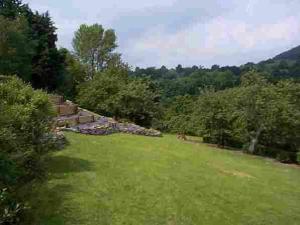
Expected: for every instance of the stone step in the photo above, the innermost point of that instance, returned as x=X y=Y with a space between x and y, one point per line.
x=56 y=99
x=67 y=121
x=66 y=109
x=86 y=119
x=69 y=114
x=73 y=120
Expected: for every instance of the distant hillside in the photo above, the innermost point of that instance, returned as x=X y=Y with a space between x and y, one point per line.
x=292 y=54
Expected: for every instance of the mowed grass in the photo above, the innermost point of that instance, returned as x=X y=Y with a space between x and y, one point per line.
x=135 y=180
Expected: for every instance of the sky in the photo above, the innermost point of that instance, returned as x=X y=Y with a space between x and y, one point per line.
x=186 y=32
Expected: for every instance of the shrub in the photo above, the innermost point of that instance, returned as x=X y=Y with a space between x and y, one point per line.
x=25 y=120
x=286 y=157
x=178 y=116
x=298 y=157
x=266 y=151
x=10 y=209
x=114 y=94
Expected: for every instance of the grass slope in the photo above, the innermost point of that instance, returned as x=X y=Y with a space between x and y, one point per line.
x=134 y=180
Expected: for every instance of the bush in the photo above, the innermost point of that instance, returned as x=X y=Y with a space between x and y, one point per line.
x=266 y=151
x=10 y=209
x=178 y=116
x=281 y=155
x=25 y=120
x=286 y=157
x=114 y=94
x=298 y=157
x=25 y=116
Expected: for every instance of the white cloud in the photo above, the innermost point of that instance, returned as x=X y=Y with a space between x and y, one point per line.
x=250 y=6
x=156 y=32
x=69 y=14
x=249 y=36
x=216 y=39
x=117 y=4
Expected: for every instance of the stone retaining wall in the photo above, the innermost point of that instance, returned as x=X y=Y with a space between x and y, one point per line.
x=76 y=119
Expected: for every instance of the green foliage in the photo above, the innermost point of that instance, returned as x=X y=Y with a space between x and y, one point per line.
x=94 y=46
x=25 y=115
x=215 y=117
x=10 y=8
x=16 y=48
x=286 y=157
x=10 y=209
x=27 y=46
x=25 y=118
x=113 y=93
x=190 y=80
x=178 y=115
x=256 y=114
x=252 y=78
x=138 y=101
x=48 y=63
x=9 y=171
x=75 y=73
x=270 y=112
x=298 y=157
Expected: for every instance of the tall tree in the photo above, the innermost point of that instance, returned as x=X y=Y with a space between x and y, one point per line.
x=46 y=62
x=94 y=46
x=74 y=74
x=10 y=8
x=16 y=48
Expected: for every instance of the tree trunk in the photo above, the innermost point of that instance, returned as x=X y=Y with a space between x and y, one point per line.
x=254 y=141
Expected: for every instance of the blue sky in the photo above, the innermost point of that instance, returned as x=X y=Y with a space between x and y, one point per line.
x=187 y=32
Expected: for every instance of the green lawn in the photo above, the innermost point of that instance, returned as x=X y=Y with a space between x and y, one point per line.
x=134 y=180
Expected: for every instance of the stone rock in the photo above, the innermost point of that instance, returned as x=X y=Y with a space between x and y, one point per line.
x=56 y=99
x=106 y=126
x=85 y=119
x=67 y=121
x=67 y=109
x=72 y=118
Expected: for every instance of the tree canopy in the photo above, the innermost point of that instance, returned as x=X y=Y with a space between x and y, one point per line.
x=94 y=45
x=28 y=45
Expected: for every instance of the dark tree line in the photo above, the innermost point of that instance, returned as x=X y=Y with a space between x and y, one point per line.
x=191 y=80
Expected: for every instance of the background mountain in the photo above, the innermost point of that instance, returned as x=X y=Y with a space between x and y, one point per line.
x=292 y=54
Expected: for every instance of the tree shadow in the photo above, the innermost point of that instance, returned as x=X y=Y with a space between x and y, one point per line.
x=47 y=205
x=64 y=164
x=47 y=199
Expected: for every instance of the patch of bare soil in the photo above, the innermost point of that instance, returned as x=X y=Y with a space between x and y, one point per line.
x=236 y=173
x=232 y=172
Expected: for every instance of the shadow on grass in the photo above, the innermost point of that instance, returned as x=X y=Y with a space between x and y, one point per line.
x=48 y=198
x=65 y=164
x=46 y=205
